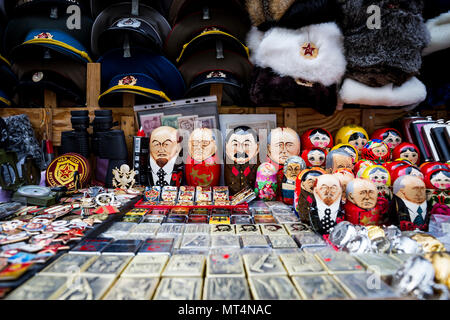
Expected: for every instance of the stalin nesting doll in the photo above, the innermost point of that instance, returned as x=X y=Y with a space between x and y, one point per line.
x=303 y=196
x=409 y=210
x=202 y=166
x=292 y=168
x=241 y=164
x=165 y=147
x=364 y=207
x=282 y=144
x=326 y=211
x=438 y=191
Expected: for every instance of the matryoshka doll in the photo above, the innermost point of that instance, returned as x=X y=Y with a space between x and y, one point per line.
x=303 y=196
x=426 y=167
x=345 y=176
x=317 y=138
x=355 y=135
x=266 y=182
x=407 y=151
x=438 y=191
x=392 y=165
x=381 y=177
x=376 y=150
x=292 y=168
x=360 y=166
x=314 y=157
x=390 y=136
x=406 y=171
x=351 y=150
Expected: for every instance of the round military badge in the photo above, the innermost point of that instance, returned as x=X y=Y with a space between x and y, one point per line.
x=309 y=50
x=44 y=35
x=129 y=23
x=62 y=170
x=34 y=227
x=127 y=81
x=38 y=76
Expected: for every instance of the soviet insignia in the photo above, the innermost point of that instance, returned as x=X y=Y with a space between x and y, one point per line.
x=309 y=51
x=209 y=29
x=304 y=83
x=129 y=22
x=62 y=170
x=38 y=76
x=44 y=35
x=216 y=74
x=127 y=81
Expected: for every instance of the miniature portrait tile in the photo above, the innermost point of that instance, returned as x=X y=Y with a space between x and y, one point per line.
x=282 y=241
x=295 y=228
x=302 y=263
x=339 y=262
x=225 y=264
x=40 y=287
x=196 y=229
x=286 y=218
x=254 y=241
x=226 y=288
x=87 y=288
x=355 y=284
x=381 y=264
x=185 y=265
x=263 y=265
x=141 y=288
x=309 y=239
x=273 y=288
x=248 y=229
x=179 y=289
x=70 y=264
x=108 y=265
x=319 y=287
x=267 y=229
x=171 y=228
x=149 y=228
x=218 y=229
x=146 y=265
x=195 y=241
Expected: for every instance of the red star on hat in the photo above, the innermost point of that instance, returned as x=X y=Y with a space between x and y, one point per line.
x=309 y=50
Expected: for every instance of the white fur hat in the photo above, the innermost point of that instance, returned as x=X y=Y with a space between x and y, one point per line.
x=439 y=28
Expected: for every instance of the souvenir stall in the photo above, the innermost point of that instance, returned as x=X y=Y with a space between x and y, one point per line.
x=224 y=150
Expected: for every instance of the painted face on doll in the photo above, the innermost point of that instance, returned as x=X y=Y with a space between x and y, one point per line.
x=392 y=139
x=267 y=170
x=164 y=145
x=410 y=188
x=441 y=180
x=351 y=152
x=344 y=177
x=202 y=144
x=358 y=140
x=379 y=177
x=292 y=170
x=380 y=151
x=320 y=140
x=309 y=179
x=283 y=143
x=362 y=193
x=242 y=145
x=316 y=158
x=328 y=189
x=410 y=154
x=342 y=162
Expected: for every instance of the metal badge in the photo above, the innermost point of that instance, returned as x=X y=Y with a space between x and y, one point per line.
x=254 y=241
x=248 y=229
x=365 y=286
x=272 y=229
x=381 y=264
x=197 y=229
x=222 y=229
x=309 y=239
x=225 y=264
x=141 y=288
x=179 y=289
x=40 y=287
x=295 y=228
x=69 y=264
x=225 y=241
x=302 y=263
x=108 y=265
x=170 y=228
x=339 y=262
x=185 y=265
x=86 y=288
x=226 y=288
x=319 y=287
x=263 y=264
x=282 y=241
x=146 y=266
x=195 y=241
x=273 y=288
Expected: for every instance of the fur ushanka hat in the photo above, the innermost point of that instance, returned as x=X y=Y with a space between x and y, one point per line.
x=390 y=54
x=302 y=66
x=291 y=14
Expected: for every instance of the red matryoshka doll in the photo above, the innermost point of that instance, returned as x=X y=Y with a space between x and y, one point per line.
x=381 y=177
x=314 y=157
x=317 y=138
x=360 y=166
x=438 y=191
x=303 y=195
x=376 y=150
x=392 y=165
x=363 y=206
x=407 y=151
x=351 y=150
x=202 y=165
x=406 y=171
x=410 y=210
x=345 y=176
x=390 y=136
x=426 y=167
x=355 y=135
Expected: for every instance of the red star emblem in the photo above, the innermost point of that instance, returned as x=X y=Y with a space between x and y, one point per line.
x=54 y=248
x=309 y=50
x=65 y=172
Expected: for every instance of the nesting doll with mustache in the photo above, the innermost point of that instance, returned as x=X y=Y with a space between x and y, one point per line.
x=241 y=164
